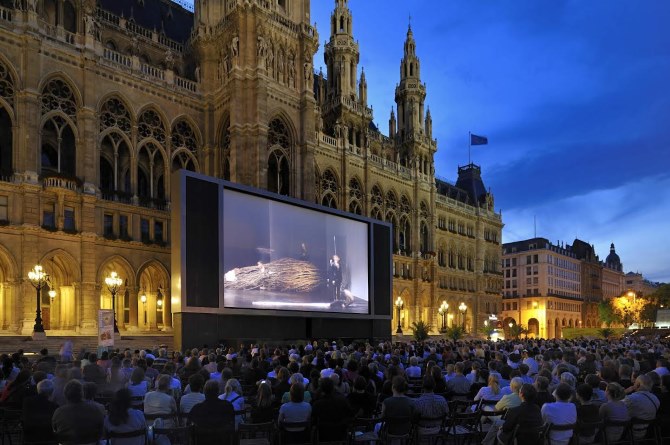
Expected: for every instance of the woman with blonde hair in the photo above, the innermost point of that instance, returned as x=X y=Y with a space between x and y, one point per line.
x=233 y=394
x=614 y=410
x=491 y=391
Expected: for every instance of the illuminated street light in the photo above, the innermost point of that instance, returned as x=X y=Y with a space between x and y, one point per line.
x=443 y=311
x=143 y=299
x=38 y=278
x=399 y=305
x=463 y=309
x=114 y=282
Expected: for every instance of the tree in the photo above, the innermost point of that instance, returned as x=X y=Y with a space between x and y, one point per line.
x=517 y=330
x=607 y=313
x=628 y=308
x=454 y=333
x=421 y=329
x=606 y=332
x=488 y=331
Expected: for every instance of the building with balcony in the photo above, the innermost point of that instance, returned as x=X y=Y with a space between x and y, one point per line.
x=100 y=101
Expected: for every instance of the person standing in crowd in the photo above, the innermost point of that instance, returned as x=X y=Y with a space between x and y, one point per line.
x=75 y=423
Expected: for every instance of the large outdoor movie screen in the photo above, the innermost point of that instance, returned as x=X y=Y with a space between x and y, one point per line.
x=283 y=257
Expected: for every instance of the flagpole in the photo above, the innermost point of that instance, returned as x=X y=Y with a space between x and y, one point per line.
x=469 y=146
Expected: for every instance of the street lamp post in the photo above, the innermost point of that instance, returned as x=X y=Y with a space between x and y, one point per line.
x=38 y=278
x=143 y=299
x=399 y=305
x=463 y=309
x=443 y=311
x=113 y=282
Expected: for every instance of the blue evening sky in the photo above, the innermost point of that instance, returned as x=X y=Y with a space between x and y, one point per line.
x=573 y=95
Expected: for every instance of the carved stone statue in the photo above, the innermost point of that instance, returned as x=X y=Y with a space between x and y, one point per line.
x=196 y=73
x=169 y=59
x=291 y=71
x=235 y=47
x=134 y=46
x=269 y=62
x=262 y=51
x=308 y=72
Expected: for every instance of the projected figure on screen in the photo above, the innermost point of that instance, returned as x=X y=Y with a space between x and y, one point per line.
x=334 y=277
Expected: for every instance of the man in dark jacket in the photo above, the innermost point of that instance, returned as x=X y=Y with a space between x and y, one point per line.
x=37 y=414
x=75 y=422
x=527 y=416
x=330 y=412
x=213 y=417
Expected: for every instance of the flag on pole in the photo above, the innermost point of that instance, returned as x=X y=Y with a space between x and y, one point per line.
x=478 y=140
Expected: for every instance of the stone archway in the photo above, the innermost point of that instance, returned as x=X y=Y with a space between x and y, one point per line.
x=506 y=326
x=534 y=327
x=557 y=329
x=9 y=292
x=64 y=311
x=126 y=315
x=153 y=282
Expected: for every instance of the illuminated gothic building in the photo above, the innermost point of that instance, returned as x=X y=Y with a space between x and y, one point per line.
x=101 y=100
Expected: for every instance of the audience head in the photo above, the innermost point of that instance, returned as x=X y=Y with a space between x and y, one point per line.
x=45 y=388
x=563 y=392
x=528 y=393
x=211 y=390
x=428 y=383
x=399 y=385
x=615 y=391
x=584 y=393
x=73 y=391
x=196 y=382
x=297 y=392
x=515 y=384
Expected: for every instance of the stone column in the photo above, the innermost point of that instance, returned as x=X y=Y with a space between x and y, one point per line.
x=167 y=312
x=132 y=304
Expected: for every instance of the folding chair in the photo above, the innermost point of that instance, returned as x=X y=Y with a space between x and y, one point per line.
x=464 y=426
x=10 y=425
x=362 y=430
x=256 y=433
x=111 y=435
x=294 y=433
x=396 y=430
x=178 y=435
x=572 y=428
x=645 y=431
x=434 y=425
x=609 y=438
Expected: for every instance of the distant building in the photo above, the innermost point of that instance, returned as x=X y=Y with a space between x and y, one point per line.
x=637 y=283
x=542 y=287
x=613 y=276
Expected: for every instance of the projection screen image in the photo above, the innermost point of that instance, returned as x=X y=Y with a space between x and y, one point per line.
x=283 y=257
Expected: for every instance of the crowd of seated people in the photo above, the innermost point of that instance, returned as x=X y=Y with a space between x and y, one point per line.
x=613 y=388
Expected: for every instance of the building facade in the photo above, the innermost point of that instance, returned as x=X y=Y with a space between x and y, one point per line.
x=100 y=101
x=542 y=289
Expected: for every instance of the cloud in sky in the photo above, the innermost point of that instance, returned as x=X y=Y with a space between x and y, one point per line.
x=573 y=95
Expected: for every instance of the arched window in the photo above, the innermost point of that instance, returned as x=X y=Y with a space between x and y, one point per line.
x=58 y=96
x=329 y=189
x=6 y=136
x=405 y=206
x=69 y=17
x=391 y=201
x=150 y=125
x=404 y=235
x=114 y=164
x=224 y=151
x=355 y=196
x=114 y=114
x=150 y=173
x=278 y=173
x=279 y=165
x=184 y=146
x=58 y=147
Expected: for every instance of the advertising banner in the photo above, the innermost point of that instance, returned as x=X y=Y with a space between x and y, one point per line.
x=105 y=327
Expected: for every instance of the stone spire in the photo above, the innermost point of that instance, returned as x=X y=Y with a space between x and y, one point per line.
x=392 y=124
x=363 y=90
x=410 y=94
x=341 y=53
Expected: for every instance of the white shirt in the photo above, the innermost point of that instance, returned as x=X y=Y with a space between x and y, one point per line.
x=560 y=413
x=532 y=365
x=486 y=393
